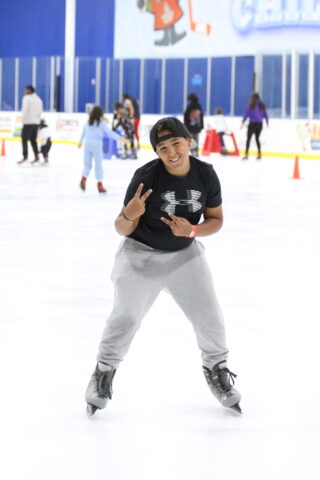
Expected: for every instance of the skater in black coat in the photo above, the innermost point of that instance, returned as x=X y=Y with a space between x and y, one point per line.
x=193 y=120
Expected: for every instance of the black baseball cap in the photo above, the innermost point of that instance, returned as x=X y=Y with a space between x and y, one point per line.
x=177 y=129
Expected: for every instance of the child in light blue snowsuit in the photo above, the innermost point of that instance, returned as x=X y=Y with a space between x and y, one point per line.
x=93 y=132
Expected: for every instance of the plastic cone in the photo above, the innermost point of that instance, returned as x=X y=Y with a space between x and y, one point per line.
x=3 y=149
x=296 y=173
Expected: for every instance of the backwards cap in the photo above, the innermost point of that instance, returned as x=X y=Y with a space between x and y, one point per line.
x=177 y=129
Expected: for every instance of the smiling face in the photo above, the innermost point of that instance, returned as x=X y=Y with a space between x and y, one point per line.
x=174 y=153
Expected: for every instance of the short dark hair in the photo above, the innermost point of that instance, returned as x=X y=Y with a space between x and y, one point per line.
x=192 y=97
x=30 y=88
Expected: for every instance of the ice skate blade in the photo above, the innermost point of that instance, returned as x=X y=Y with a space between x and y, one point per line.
x=91 y=409
x=236 y=408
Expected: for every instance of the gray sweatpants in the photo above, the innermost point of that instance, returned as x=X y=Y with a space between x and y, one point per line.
x=139 y=274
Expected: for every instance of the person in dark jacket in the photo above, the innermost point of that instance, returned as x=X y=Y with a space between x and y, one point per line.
x=255 y=112
x=193 y=120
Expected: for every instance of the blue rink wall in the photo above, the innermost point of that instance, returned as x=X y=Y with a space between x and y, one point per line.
x=161 y=86
x=36 y=28
x=32 y=28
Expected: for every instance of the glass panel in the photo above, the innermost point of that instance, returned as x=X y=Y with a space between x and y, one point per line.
x=8 y=69
x=303 y=78
x=86 y=82
x=197 y=79
x=43 y=81
x=103 y=83
x=220 y=84
x=174 y=86
x=244 y=75
x=152 y=86
x=272 y=84
x=62 y=84
x=25 y=77
x=316 y=95
x=114 y=83
x=131 y=78
x=288 y=86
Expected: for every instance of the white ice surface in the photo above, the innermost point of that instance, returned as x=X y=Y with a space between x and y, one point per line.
x=56 y=253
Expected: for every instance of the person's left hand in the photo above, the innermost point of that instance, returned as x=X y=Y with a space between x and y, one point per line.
x=180 y=227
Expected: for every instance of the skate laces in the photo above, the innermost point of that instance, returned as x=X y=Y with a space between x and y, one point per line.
x=226 y=378
x=104 y=382
x=222 y=379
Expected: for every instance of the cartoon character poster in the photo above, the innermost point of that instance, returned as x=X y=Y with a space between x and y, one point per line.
x=166 y=14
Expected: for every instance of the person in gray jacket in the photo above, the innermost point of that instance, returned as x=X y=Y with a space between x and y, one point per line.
x=31 y=115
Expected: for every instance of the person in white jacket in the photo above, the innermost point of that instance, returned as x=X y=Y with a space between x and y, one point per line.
x=31 y=114
x=220 y=126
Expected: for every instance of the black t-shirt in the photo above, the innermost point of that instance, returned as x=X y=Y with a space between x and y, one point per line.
x=185 y=197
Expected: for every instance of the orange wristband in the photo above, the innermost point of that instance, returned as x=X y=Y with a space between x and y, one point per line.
x=193 y=231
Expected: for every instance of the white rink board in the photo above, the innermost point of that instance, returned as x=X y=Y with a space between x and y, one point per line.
x=283 y=137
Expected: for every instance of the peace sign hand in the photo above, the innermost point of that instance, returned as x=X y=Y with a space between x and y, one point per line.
x=180 y=227
x=136 y=207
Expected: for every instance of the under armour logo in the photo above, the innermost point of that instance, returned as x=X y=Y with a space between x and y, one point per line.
x=190 y=201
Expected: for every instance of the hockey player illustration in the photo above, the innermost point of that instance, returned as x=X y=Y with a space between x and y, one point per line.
x=166 y=13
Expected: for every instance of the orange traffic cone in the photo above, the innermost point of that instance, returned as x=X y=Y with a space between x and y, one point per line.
x=296 y=173
x=3 y=149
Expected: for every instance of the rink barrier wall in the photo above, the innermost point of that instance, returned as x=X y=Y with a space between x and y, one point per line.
x=284 y=138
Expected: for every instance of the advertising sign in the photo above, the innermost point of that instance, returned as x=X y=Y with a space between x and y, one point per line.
x=204 y=28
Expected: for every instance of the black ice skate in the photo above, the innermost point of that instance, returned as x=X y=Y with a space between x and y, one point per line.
x=221 y=381
x=99 y=389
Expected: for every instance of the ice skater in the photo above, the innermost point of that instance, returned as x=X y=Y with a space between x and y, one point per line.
x=193 y=120
x=93 y=132
x=161 y=220
x=256 y=111
x=221 y=127
x=132 y=105
x=122 y=122
x=44 y=137
x=32 y=107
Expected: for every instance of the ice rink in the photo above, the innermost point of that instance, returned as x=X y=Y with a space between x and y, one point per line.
x=57 y=246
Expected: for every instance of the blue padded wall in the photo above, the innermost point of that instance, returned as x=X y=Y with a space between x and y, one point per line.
x=32 y=29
